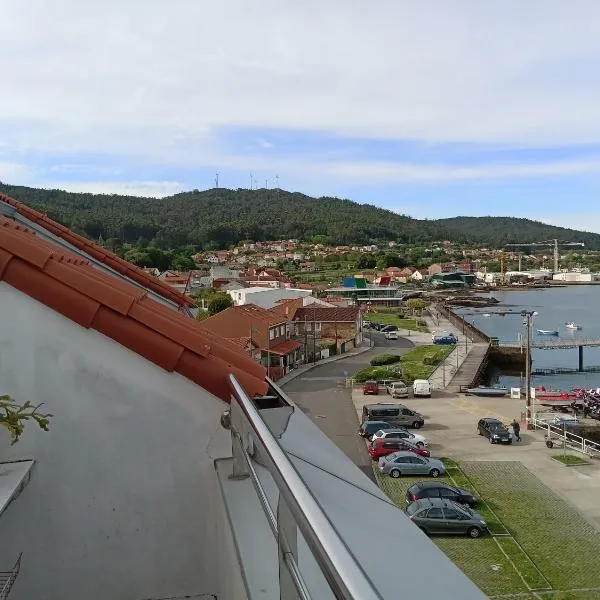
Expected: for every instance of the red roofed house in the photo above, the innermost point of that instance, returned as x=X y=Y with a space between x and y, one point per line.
x=268 y=330
x=339 y=326
x=145 y=485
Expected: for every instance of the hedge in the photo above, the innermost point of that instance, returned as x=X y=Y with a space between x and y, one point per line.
x=378 y=373
x=384 y=359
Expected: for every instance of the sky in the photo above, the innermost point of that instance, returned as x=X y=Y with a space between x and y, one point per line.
x=431 y=109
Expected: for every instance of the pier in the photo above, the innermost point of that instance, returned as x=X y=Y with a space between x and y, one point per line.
x=559 y=344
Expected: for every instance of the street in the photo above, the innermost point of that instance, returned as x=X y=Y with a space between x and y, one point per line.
x=322 y=395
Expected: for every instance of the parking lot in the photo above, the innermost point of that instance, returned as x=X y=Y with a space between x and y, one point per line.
x=550 y=512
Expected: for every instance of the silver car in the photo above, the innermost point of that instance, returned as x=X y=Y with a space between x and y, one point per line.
x=408 y=463
x=436 y=515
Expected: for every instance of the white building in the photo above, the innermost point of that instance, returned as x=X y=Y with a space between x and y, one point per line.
x=265 y=297
x=573 y=277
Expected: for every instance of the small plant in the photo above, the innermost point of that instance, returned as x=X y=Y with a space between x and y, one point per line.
x=14 y=415
x=384 y=359
x=570 y=459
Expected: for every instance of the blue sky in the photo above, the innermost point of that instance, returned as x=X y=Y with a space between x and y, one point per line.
x=430 y=109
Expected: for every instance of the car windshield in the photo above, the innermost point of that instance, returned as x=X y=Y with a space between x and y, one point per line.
x=413 y=508
x=496 y=425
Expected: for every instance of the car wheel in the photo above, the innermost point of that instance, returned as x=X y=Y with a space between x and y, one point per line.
x=395 y=473
x=509 y=442
x=479 y=432
x=473 y=532
x=416 y=425
x=434 y=472
x=420 y=444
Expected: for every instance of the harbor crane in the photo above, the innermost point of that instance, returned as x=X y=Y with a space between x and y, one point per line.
x=552 y=243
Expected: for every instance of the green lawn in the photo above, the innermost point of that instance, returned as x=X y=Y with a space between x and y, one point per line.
x=394 y=319
x=411 y=365
x=570 y=459
x=547 y=547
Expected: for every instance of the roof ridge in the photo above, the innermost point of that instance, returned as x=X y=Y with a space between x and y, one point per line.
x=107 y=257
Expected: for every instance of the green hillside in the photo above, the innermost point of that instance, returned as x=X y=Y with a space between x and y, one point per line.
x=218 y=218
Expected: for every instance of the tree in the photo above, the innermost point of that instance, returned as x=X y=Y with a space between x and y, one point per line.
x=366 y=261
x=415 y=305
x=14 y=415
x=220 y=301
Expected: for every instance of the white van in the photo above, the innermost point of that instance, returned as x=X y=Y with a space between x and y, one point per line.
x=421 y=387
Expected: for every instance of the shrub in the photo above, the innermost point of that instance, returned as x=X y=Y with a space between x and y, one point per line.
x=384 y=359
x=431 y=359
x=378 y=373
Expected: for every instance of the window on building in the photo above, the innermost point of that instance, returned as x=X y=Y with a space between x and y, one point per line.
x=271 y=334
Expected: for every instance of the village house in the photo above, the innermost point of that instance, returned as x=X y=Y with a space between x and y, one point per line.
x=339 y=326
x=267 y=330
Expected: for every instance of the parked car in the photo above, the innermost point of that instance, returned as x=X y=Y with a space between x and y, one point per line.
x=397 y=389
x=435 y=515
x=445 y=339
x=402 y=434
x=368 y=428
x=396 y=414
x=370 y=387
x=408 y=463
x=391 y=335
x=494 y=430
x=422 y=387
x=439 y=333
x=387 y=328
x=438 y=489
x=384 y=446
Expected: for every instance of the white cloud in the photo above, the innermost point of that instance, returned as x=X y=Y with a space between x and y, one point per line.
x=156 y=78
x=10 y=171
x=151 y=189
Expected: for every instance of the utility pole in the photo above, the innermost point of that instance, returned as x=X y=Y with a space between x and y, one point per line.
x=217 y=179
x=527 y=317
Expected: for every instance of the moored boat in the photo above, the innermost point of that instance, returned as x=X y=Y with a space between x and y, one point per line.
x=493 y=391
x=547 y=332
x=572 y=325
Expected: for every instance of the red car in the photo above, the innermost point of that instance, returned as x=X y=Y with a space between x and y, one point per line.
x=370 y=387
x=384 y=446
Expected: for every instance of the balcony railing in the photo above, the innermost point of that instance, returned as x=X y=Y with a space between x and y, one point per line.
x=8 y=578
x=297 y=511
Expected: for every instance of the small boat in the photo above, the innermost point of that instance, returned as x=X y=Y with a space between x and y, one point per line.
x=571 y=325
x=486 y=315
x=493 y=391
x=547 y=332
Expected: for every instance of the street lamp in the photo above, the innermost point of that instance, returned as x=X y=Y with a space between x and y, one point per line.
x=527 y=317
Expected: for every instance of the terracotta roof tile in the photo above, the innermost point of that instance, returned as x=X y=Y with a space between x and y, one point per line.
x=285 y=347
x=121 y=311
x=97 y=252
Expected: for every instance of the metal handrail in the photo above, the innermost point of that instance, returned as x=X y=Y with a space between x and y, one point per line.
x=345 y=576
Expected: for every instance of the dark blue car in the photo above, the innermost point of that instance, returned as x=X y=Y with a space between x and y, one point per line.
x=445 y=339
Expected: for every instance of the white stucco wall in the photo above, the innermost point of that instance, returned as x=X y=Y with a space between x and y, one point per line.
x=265 y=297
x=122 y=502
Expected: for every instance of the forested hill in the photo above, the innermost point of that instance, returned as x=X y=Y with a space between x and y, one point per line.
x=218 y=218
x=502 y=230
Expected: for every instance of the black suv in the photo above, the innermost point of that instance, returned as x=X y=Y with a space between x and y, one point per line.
x=436 y=489
x=495 y=431
x=368 y=428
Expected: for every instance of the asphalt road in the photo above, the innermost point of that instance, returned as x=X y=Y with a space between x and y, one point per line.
x=321 y=394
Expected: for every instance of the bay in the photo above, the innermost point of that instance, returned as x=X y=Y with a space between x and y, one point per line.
x=555 y=307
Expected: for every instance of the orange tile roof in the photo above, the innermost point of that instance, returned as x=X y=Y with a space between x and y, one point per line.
x=97 y=300
x=285 y=348
x=99 y=253
x=240 y=321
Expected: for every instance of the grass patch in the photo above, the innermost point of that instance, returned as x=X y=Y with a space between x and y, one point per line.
x=570 y=459
x=547 y=541
x=562 y=544
x=393 y=319
x=418 y=363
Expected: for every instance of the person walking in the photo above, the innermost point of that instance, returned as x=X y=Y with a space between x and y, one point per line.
x=516 y=430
